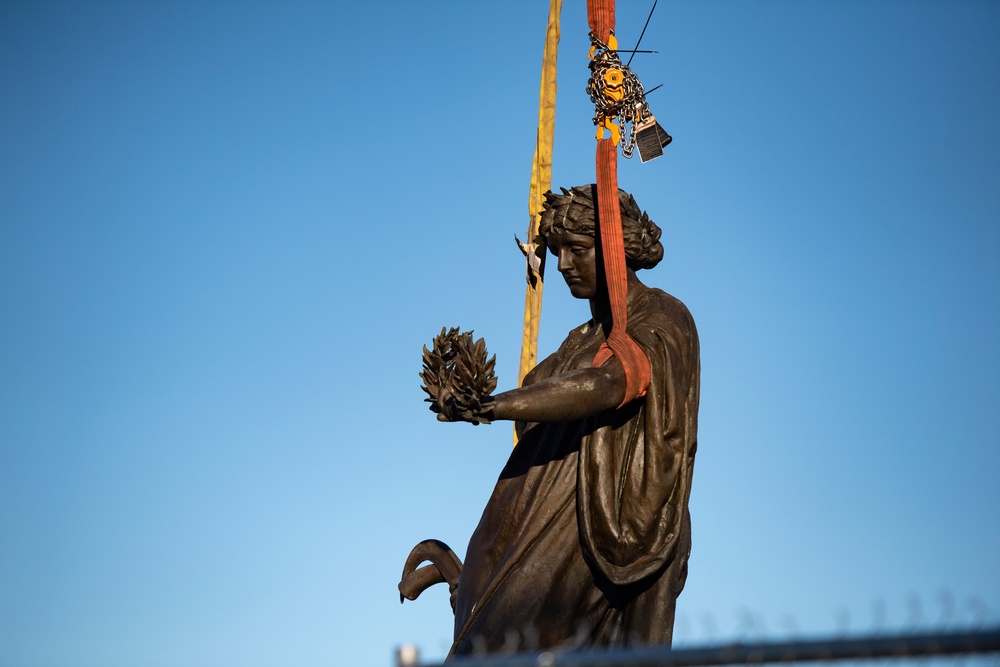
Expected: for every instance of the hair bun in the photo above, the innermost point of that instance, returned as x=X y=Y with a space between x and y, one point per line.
x=643 y=249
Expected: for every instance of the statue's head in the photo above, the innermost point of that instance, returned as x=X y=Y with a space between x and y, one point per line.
x=574 y=212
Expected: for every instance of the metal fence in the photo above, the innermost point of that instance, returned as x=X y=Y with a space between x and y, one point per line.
x=970 y=642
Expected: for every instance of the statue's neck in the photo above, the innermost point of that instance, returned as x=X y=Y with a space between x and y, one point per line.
x=600 y=305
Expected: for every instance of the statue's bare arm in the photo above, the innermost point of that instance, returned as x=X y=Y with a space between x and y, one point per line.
x=571 y=395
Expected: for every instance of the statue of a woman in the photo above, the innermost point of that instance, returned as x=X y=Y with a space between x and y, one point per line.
x=585 y=540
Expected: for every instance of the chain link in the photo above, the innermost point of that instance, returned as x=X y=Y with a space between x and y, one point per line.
x=615 y=91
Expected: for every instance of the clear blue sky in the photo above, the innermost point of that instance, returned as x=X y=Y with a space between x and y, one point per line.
x=227 y=229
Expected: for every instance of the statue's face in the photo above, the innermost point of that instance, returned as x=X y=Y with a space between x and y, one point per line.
x=577 y=262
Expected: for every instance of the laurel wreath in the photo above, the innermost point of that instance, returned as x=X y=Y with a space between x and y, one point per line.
x=458 y=377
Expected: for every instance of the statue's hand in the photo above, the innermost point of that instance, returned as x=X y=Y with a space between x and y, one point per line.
x=473 y=409
x=458 y=378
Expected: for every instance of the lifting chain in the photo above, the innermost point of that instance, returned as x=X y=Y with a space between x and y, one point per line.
x=616 y=92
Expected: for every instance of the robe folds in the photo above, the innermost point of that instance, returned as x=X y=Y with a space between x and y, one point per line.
x=586 y=537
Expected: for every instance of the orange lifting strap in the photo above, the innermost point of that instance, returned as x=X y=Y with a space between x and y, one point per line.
x=601 y=16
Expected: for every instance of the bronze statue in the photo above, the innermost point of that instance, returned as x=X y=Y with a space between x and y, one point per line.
x=585 y=540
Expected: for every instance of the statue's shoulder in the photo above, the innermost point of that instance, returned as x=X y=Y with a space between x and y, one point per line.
x=656 y=302
x=659 y=316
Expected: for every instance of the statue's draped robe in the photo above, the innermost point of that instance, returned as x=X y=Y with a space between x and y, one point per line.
x=586 y=537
